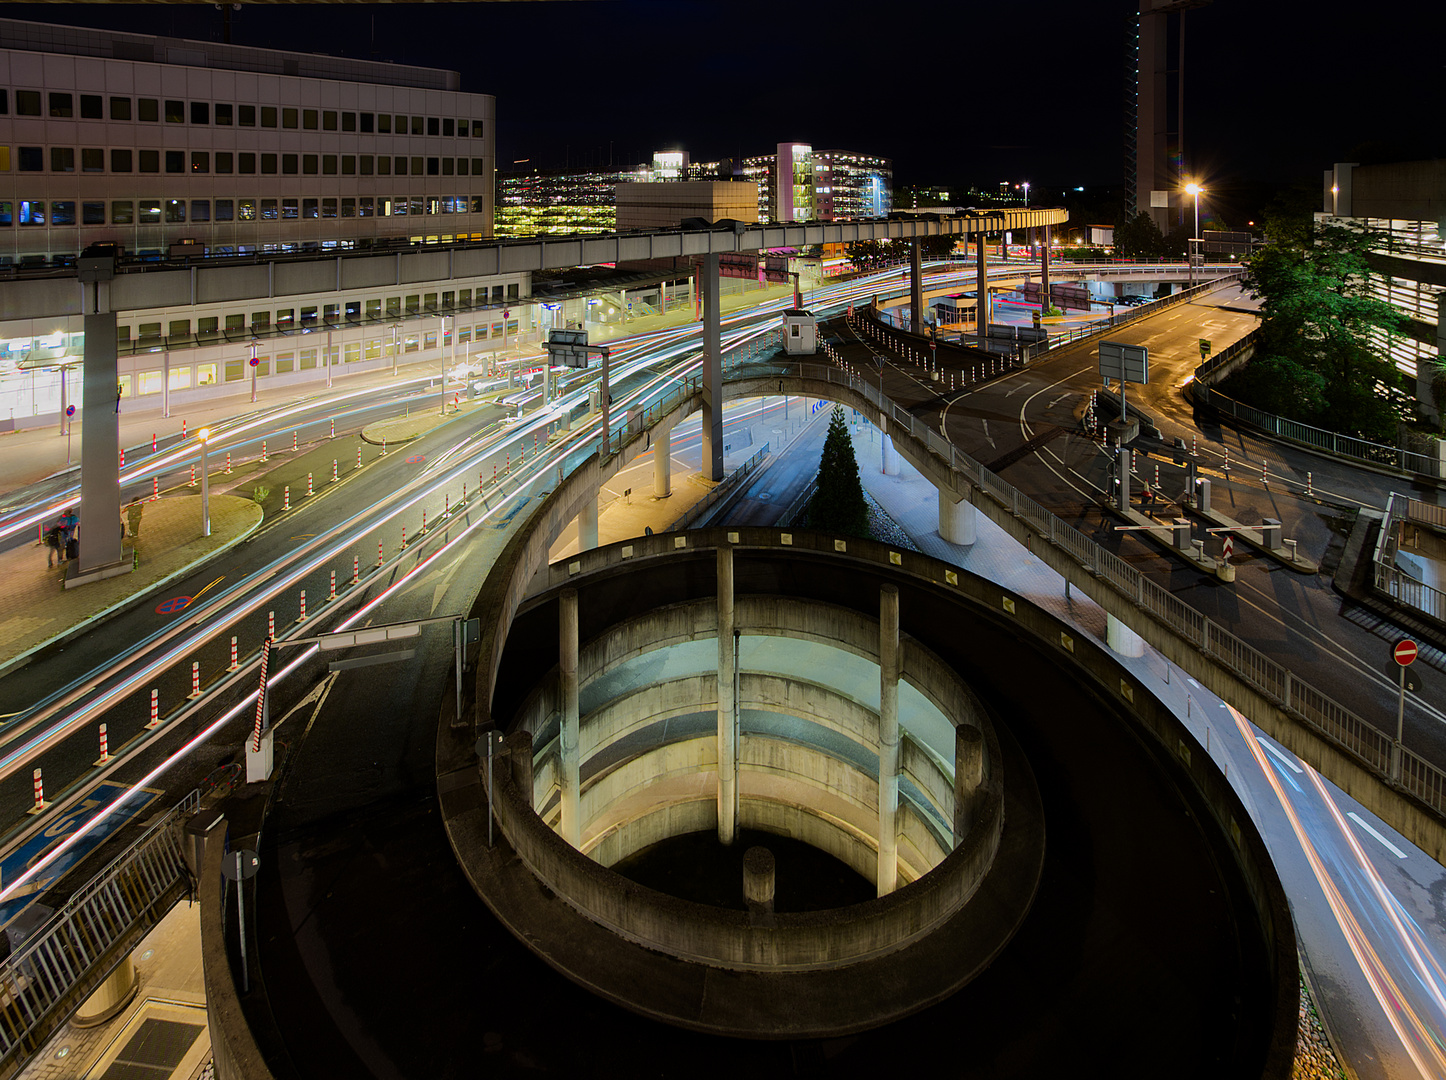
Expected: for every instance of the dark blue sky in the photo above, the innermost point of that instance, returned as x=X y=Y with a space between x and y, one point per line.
x=952 y=91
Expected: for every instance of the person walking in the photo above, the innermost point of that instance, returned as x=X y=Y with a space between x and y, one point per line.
x=133 y=516
x=54 y=547
x=69 y=523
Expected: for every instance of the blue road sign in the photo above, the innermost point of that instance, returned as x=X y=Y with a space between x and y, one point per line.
x=70 y=410
x=416 y=459
x=25 y=856
x=173 y=605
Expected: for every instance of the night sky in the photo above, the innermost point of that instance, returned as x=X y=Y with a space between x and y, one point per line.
x=955 y=92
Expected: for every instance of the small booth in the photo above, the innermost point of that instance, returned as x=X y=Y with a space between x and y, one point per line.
x=800 y=332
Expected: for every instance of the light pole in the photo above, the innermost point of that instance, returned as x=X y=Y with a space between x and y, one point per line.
x=254 y=365
x=443 y=344
x=1026 y=194
x=203 y=435
x=395 y=327
x=1194 y=189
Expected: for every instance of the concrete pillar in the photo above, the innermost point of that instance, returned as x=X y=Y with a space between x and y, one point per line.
x=981 y=289
x=888 y=876
x=587 y=525
x=727 y=704
x=890 y=466
x=1044 y=270
x=758 y=880
x=519 y=759
x=916 y=288
x=712 y=467
x=570 y=779
x=110 y=997
x=958 y=522
x=100 y=539
x=604 y=400
x=663 y=462
x=968 y=776
x=1122 y=639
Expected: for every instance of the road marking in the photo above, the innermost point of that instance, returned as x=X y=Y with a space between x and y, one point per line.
x=986 y=432
x=1389 y=846
x=1279 y=756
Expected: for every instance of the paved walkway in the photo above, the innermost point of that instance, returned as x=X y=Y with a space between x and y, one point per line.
x=37 y=610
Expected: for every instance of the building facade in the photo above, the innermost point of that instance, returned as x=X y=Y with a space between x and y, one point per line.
x=667 y=204
x=797 y=183
x=146 y=142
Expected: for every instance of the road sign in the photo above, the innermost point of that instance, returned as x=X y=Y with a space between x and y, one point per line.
x=416 y=459
x=253 y=361
x=1405 y=652
x=1204 y=348
x=70 y=410
x=173 y=605
x=567 y=348
x=1229 y=551
x=1128 y=363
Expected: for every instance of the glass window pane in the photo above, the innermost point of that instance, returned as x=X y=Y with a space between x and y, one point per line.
x=175 y=211
x=328 y=121
x=246 y=115
x=120 y=108
x=150 y=212
x=308 y=119
x=92 y=213
x=175 y=161
x=224 y=160
x=60 y=105
x=92 y=159
x=200 y=112
x=27 y=103
x=62 y=212
x=62 y=159
x=175 y=112
x=150 y=161
x=288 y=118
x=148 y=110
x=223 y=115
x=200 y=210
x=92 y=107
x=200 y=161
x=268 y=116
x=122 y=213
x=120 y=161
x=225 y=210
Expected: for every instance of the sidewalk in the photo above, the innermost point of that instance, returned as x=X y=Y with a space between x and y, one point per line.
x=37 y=610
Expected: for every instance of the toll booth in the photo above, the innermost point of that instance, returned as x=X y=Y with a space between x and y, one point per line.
x=800 y=332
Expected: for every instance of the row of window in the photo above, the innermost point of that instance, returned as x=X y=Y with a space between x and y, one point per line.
x=63 y=159
x=206 y=211
x=62 y=105
x=149 y=335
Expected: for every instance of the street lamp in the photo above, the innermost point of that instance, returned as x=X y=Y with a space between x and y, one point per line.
x=443 y=344
x=203 y=435
x=1026 y=194
x=1194 y=189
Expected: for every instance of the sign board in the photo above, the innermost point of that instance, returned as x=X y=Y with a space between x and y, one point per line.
x=1204 y=348
x=567 y=348
x=1128 y=363
x=1405 y=652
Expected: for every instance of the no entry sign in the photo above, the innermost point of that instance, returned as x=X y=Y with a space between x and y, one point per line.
x=1405 y=652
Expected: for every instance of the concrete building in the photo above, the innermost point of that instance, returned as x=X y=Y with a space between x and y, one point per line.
x=1406 y=203
x=797 y=183
x=659 y=205
x=147 y=141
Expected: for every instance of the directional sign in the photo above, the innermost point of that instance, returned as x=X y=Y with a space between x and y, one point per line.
x=1405 y=652
x=1128 y=363
x=173 y=605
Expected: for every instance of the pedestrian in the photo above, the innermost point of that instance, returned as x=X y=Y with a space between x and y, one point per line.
x=68 y=523
x=54 y=547
x=133 y=516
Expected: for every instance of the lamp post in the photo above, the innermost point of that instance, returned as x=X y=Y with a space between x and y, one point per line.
x=1026 y=194
x=395 y=327
x=1194 y=189
x=254 y=365
x=203 y=435
x=443 y=344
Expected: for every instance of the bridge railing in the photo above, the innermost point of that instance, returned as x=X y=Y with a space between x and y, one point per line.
x=1388 y=577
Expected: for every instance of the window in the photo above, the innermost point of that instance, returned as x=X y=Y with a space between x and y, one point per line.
x=464 y=298
x=434 y=166
x=328 y=121
x=401 y=125
x=348 y=208
x=246 y=163
x=260 y=321
x=288 y=118
x=308 y=119
x=148 y=110
x=175 y=211
x=429 y=340
x=150 y=382
x=60 y=105
x=374 y=309
x=286 y=361
x=414 y=303
x=268 y=210
x=4 y=102
x=289 y=164
x=477 y=170
x=92 y=213
x=352 y=352
x=180 y=378
x=328 y=164
x=234 y=323
x=235 y=370
x=200 y=210
x=384 y=166
x=348 y=165
x=461 y=166
x=223 y=115
x=150 y=330
x=206 y=328
x=365 y=164
x=225 y=210
x=288 y=209
x=92 y=159
x=120 y=108
x=32 y=159
x=286 y=319
x=246 y=115
x=476 y=129
x=150 y=160
x=62 y=159
x=429 y=301
x=394 y=307
x=206 y=374
x=449 y=300
x=62 y=213
x=7 y=214
x=200 y=161
x=446 y=166
x=92 y=107
x=328 y=208
x=348 y=121
x=308 y=316
x=308 y=164
x=224 y=162
x=268 y=116
x=245 y=209
x=175 y=112
x=268 y=164
x=417 y=125
x=27 y=103
x=122 y=213
x=374 y=348
x=447 y=126
x=309 y=209
x=200 y=112
x=150 y=212
x=434 y=126
x=175 y=161
x=399 y=166
x=364 y=207
x=120 y=161
x=397 y=207
x=416 y=206
x=368 y=123
x=384 y=120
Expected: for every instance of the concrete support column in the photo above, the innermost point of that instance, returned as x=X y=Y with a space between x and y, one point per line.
x=712 y=467
x=758 y=880
x=1122 y=639
x=916 y=288
x=888 y=876
x=981 y=289
x=727 y=704
x=958 y=520
x=968 y=776
x=100 y=540
x=587 y=525
x=571 y=772
x=1044 y=270
x=663 y=462
x=890 y=463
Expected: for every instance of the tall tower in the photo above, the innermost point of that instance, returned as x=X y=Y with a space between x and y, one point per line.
x=1155 y=163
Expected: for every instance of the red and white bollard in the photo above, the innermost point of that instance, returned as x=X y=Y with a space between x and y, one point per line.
x=508 y=466
x=358 y=457
x=155 y=488
x=153 y=442
x=286 y=497
x=1194 y=446
x=1265 y=472
x=193 y=476
x=155 y=721
x=123 y=457
x=333 y=470
x=424 y=521
x=195 y=679
x=40 y=803
x=380 y=558
x=270 y=625
x=183 y=429
x=263 y=449
x=1308 y=491
x=446 y=504
x=494 y=474
x=332 y=433
x=293 y=440
x=331 y=595
x=104 y=758
x=1226 y=466
x=309 y=489
x=302 y=616
x=228 y=461
x=355 y=569
x=384 y=448
x=234 y=663
x=464 y=492
x=534 y=442
x=1157 y=476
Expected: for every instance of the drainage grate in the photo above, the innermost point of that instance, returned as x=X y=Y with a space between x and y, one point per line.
x=154 y=1051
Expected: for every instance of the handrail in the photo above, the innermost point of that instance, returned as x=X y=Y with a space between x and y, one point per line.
x=1389 y=578
x=726 y=486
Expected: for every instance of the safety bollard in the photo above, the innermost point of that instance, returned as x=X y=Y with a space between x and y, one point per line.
x=153 y=442
x=331 y=593
x=293 y=439
x=380 y=558
x=302 y=616
x=40 y=803
x=309 y=489
x=123 y=457
x=384 y=448
x=358 y=457
x=1157 y=476
x=424 y=521
x=286 y=497
x=1309 y=493
x=155 y=488
x=332 y=433
x=355 y=569
x=104 y=758
x=263 y=451
x=195 y=679
x=404 y=536
x=333 y=470
x=183 y=429
x=228 y=462
x=507 y=467
x=446 y=504
x=193 y=476
x=1265 y=472
x=271 y=625
x=1194 y=446
x=155 y=721
x=494 y=474
x=1226 y=466
x=234 y=663
x=464 y=493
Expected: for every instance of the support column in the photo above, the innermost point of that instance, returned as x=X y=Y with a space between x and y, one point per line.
x=100 y=540
x=1044 y=270
x=958 y=521
x=587 y=525
x=727 y=704
x=888 y=876
x=1122 y=639
x=916 y=288
x=605 y=403
x=981 y=290
x=571 y=778
x=663 y=462
x=890 y=462
x=968 y=776
x=712 y=467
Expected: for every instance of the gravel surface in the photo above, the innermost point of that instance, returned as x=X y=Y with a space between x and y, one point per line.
x=1314 y=1057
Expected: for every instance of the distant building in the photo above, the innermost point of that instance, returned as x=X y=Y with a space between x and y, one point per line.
x=797 y=183
x=1406 y=202
x=666 y=204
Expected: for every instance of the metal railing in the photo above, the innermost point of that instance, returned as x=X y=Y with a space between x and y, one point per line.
x=59 y=966
x=1303 y=702
x=721 y=490
x=1389 y=578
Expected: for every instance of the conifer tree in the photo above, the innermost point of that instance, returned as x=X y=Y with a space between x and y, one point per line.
x=838 y=504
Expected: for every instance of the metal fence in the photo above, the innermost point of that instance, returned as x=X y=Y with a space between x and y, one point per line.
x=56 y=968
x=1403 y=512
x=720 y=491
x=1299 y=699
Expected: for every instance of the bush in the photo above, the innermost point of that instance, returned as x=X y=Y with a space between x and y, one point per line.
x=260 y=493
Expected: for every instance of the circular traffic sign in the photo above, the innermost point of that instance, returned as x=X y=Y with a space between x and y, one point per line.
x=173 y=605
x=416 y=459
x=1405 y=652
x=253 y=361
x=70 y=410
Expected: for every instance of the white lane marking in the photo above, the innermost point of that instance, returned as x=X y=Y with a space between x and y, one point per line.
x=1389 y=846
x=986 y=432
x=1279 y=756
x=1056 y=401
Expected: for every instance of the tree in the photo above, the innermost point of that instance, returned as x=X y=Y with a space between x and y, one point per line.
x=838 y=504
x=1138 y=237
